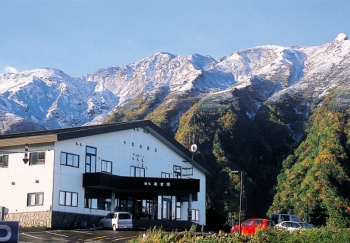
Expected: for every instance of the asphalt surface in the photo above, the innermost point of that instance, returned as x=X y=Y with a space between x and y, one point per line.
x=39 y=235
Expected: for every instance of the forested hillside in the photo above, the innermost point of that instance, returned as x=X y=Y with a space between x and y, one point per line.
x=315 y=179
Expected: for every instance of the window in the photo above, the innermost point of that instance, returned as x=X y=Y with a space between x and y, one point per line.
x=165 y=175
x=90 y=159
x=36 y=158
x=124 y=216
x=177 y=171
x=4 y=161
x=91 y=203
x=137 y=171
x=69 y=159
x=248 y=222
x=97 y=199
x=258 y=222
x=106 y=166
x=35 y=199
x=68 y=199
x=294 y=225
x=195 y=215
x=178 y=210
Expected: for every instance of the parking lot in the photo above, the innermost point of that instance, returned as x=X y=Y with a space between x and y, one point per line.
x=86 y=235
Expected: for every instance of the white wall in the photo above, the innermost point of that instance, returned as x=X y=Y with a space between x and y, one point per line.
x=116 y=147
x=14 y=197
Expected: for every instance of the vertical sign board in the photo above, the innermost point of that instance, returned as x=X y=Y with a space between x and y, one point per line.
x=9 y=231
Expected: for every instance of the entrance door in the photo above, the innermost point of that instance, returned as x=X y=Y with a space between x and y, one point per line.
x=166 y=208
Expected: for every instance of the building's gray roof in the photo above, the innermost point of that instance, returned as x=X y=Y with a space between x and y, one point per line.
x=47 y=136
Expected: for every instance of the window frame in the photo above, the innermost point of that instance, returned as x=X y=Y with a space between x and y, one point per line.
x=135 y=169
x=2 y=161
x=195 y=215
x=107 y=162
x=165 y=175
x=90 y=160
x=37 y=159
x=66 y=159
x=71 y=196
x=178 y=210
x=177 y=171
x=36 y=199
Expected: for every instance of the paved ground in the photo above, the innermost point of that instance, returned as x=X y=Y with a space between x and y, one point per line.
x=78 y=235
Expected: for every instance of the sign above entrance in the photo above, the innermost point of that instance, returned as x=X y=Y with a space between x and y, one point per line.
x=147 y=183
x=126 y=183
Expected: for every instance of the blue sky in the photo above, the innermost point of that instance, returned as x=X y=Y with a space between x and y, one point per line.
x=80 y=37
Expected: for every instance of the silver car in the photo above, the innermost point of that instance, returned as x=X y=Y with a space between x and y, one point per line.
x=117 y=220
x=292 y=225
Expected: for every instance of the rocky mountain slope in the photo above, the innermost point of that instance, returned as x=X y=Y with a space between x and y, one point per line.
x=49 y=98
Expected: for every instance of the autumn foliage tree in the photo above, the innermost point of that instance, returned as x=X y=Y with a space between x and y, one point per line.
x=314 y=182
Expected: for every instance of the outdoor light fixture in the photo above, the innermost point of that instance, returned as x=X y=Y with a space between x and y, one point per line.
x=240 y=197
x=25 y=159
x=36 y=181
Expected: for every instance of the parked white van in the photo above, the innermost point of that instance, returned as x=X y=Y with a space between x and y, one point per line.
x=117 y=220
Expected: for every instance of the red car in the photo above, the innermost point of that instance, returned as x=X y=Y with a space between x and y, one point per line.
x=250 y=226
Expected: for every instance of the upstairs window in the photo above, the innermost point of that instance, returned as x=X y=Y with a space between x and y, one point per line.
x=106 y=166
x=136 y=171
x=90 y=159
x=69 y=159
x=4 y=161
x=177 y=171
x=165 y=175
x=36 y=158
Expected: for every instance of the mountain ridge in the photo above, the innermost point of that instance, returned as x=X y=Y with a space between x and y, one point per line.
x=107 y=89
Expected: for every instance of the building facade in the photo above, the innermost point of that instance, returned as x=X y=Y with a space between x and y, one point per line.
x=77 y=175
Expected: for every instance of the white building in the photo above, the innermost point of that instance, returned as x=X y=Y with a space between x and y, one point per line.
x=81 y=174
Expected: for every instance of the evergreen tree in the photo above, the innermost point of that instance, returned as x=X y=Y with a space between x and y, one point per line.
x=314 y=182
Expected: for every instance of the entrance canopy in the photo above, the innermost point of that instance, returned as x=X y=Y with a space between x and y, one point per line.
x=125 y=184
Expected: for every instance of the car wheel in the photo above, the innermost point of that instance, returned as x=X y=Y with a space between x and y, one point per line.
x=114 y=227
x=101 y=225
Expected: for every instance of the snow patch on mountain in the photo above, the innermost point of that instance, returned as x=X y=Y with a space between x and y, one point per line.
x=52 y=99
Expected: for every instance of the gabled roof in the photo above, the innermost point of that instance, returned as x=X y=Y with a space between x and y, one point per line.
x=47 y=136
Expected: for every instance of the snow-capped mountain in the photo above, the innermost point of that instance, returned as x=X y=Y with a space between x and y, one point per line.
x=49 y=98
